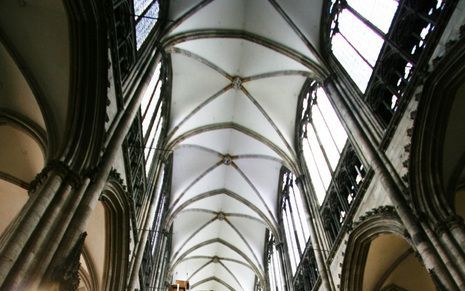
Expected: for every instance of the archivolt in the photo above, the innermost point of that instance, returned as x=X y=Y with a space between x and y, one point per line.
x=117 y=208
x=376 y=222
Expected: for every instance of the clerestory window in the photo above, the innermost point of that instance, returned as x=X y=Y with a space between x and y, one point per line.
x=292 y=214
x=354 y=43
x=145 y=137
x=382 y=43
x=335 y=171
x=323 y=138
x=274 y=264
x=152 y=113
x=145 y=16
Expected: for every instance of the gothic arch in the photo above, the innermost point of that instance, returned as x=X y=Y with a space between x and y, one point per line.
x=380 y=256
x=376 y=222
x=437 y=161
x=87 y=275
x=117 y=227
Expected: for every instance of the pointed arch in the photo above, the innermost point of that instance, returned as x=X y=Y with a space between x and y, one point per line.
x=117 y=227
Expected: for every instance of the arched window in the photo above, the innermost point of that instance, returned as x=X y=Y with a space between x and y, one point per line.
x=145 y=16
x=355 y=44
x=293 y=219
x=381 y=43
x=274 y=265
x=323 y=138
x=152 y=114
x=336 y=172
x=146 y=136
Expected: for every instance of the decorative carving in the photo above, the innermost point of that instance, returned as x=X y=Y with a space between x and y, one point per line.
x=227 y=160
x=221 y=216
x=60 y=169
x=237 y=83
x=116 y=176
x=382 y=211
x=38 y=180
x=68 y=274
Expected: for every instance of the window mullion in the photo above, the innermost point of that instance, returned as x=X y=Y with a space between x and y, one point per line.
x=356 y=50
x=314 y=160
x=380 y=33
x=327 y=127
x=290 y=246
x=294 y=228
x=298 y=215
x=322 y=148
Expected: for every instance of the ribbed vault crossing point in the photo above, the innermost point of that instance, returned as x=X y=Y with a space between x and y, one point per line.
x=237 y=67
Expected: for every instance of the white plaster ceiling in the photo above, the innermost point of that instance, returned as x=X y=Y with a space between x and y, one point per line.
x=237 y=70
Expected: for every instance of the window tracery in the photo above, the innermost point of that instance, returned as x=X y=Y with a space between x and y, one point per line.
x=323 y=138
x=381 y=43
x=145 y=136
x=274 y=267
x=336 y=172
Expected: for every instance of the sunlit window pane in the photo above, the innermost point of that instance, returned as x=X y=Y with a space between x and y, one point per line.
x=150 y=111
x=146 y=23
x=140 y=6
x=378 y=12
x=325 y=136
x=322 y=166
x=149 y=91
x=357 y=68
x=365 y=40
x=301 y=210
x=291 y=249
x=318 y=186
x=297 y=222
x=335 y=127
x=152 y=149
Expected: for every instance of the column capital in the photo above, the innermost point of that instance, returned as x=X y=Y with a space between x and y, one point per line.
x=58 y=168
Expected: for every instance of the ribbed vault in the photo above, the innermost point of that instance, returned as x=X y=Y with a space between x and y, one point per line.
x=237 y=70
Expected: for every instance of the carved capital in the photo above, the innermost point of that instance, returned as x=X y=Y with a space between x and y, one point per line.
x=448 y=223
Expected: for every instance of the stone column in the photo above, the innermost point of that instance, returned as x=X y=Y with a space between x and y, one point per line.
x=361 y=137
x=31 y=239
x=91 y=194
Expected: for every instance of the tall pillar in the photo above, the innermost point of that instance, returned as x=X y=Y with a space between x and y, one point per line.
x=77 y=224
x=361 y=138
x=30 y=242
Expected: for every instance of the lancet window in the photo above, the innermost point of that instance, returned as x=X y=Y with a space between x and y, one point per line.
x=335 y=171
x=323 y=138
x=293 y=219
x=144 y=139
x=381 y=44
x=296 y=230
x=274 y=266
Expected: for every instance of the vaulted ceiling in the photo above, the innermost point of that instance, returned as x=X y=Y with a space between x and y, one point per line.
x=237 y=70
